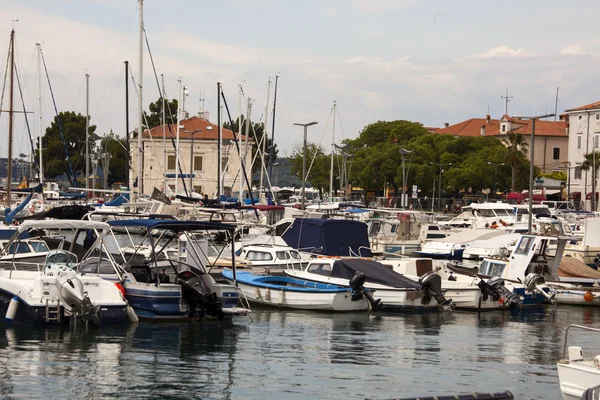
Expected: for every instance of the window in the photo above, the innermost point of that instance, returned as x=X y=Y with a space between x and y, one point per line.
x=224 y=163
x=577 y=172
x=556 y=153
x=375 y=226
x=580 y=117
x=259 y=256
x=39 y=247
x=320 y=269
x=197 y=163
x=597 y=117
x=524 y=245
x=578 y=142
x=503 y=128
x=596 y=140
x=171 y=162
x=198 y=189
x=490 y=268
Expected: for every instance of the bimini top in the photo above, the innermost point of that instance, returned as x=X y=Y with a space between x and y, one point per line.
x=374 y=271
x=332 y=237
x=172 y=225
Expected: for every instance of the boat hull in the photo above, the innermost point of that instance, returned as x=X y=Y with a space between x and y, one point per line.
x=576 y=377
x=156 y=302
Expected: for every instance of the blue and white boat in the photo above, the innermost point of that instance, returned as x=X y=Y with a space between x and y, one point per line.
x=167 y=288
x=300 y=294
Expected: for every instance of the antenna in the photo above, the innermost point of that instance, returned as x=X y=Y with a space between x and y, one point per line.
x=506 y=99
x=13 y=22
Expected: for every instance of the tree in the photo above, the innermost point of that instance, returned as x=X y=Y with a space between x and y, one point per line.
x=116 y=147
x=516 y=151
x=156 y=113
x=318 y=172
x=591 y=162
x=256 y=133
x=73 y=130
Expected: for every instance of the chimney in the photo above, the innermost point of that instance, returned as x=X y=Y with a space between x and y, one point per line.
x=203 y=115
x=483 y=130
x=446 y=124
x=487 y=119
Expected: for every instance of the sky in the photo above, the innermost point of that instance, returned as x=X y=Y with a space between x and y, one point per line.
x=429 y=61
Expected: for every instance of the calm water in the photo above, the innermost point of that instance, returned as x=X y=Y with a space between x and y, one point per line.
x=294 y=355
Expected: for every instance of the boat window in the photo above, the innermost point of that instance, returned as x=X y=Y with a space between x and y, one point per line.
x=259 y=256
x=62 y=257
x=394 y=228
x=524 y=245
x=295 y=255
x=486 y=213
x=284 y=255
x=320 y=269
x=491 y=268
x=567 y=229
x=375 y=225
x=18 y=248
x=90 y=266
x=39 y=246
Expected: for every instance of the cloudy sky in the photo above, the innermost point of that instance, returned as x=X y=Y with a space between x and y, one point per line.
x=431 y=61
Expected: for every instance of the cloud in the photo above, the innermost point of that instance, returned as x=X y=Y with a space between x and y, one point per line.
x=573 y=49
x=501 y=52
x=381 y=6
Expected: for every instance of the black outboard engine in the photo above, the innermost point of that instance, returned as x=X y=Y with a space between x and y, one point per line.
x=198 y=295
x=431 y=283
x=357 y=282
x=496 y=289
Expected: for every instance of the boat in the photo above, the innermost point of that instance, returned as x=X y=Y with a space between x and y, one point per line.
x=272 y=256
x=578 y=376
x=396 y=292
x=178 y=287
x=453 y=246
x=301 y=294
x=59 y=291
x=496 y=246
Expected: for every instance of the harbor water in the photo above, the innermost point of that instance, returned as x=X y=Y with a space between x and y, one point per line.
x=297 y=355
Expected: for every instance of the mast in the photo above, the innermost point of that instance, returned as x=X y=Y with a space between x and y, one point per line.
x=272 y=152
x=140 y=176
x=332 y=153
x=162 y=77
x=239 y=136
x=87 y=131
x=127 y=158
x=179 y=91
x=41 y=168
x=264 y=144
x=219 y=141
x=10 y=116
x=248 y=112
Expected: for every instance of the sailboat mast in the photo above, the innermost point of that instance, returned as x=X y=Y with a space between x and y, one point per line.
x=264 y=144
x=128 y=160
x=179 y=91
x=219 y=136
x=10 y=116
x=332 y=153
x=272 y=152
x=140 y=105
x=41 y=127
x=87 y=130
x=162 y=77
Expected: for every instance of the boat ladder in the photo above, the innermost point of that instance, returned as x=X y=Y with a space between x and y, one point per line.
x=52 y=311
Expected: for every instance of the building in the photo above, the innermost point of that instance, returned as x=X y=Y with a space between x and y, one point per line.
x=584 y=138
x=551 y=137
x=203 y=135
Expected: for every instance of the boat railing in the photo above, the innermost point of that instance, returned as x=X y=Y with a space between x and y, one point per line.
x=585 y=328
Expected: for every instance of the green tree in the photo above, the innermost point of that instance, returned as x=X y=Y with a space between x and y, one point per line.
x=116 y=147
x=516 y=151
x=154 y=118
x=256 y=133
x=54 y=157
x=591 y=162
x=559 y=176
x=318 y=172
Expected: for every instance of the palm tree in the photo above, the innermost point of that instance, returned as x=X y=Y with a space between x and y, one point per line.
x=591 y=161
x=516 y=147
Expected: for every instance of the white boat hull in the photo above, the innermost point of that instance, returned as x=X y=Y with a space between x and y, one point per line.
x=576 y=377
x=340 y=301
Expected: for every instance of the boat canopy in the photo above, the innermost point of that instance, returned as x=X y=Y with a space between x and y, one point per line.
x=332 y=237
x=62 y=224
x=374 y=271
x=172 y=225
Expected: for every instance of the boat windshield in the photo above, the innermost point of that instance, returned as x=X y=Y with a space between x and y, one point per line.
x=39 y=246
x=492 y=268
x=62 y=257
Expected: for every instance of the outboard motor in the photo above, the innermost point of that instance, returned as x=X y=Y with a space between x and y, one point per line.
x=198 y=295
x=357 y=282
x=432 y=286
x=87 y=311
x=532 y=282
x=495 y=287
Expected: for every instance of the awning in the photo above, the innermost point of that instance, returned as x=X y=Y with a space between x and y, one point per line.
x=589 y=196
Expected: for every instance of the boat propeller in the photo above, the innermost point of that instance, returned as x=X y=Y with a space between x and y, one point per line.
x=357 y=282
x=431 y=283
x=87 y=311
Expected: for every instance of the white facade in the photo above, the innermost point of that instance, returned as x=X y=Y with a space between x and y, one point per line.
x=584 y=138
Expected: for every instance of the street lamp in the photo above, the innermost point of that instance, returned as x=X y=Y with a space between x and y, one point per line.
x=496 y=165
x=441 y=165
x=531 y=162
x=192 y=159
x=304 y=156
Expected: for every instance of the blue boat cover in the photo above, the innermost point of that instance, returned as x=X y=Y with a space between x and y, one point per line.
x=172 y=225
x=332 y=237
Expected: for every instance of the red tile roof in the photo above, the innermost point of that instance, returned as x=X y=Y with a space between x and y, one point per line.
x=472 y=127
x=208 y=130
x=591 y=106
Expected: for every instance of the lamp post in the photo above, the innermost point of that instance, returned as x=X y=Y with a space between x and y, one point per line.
x=532 y=162
x=192 y=159
x=441 y=165
x=496 y=165
x=304 y=156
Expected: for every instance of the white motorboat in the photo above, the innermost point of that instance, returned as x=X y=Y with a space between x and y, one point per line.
x=578 y=375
